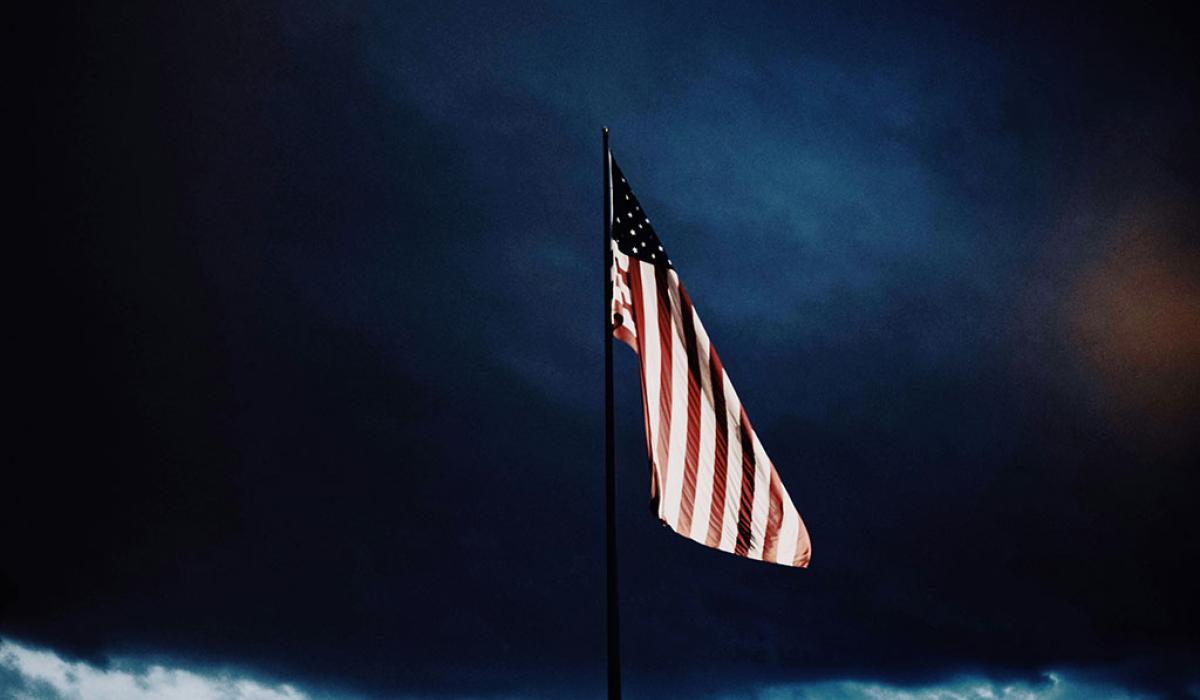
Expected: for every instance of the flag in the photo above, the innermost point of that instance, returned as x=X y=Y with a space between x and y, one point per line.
x=711 y=479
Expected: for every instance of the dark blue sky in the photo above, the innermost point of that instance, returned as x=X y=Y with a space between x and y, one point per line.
x=308 y=375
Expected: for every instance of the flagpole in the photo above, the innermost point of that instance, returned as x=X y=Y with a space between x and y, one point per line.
x=613 y=625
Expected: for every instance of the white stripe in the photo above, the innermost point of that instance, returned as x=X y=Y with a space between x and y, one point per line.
x=788 y=531
x=702 y=505
x=651 y=368
x=733 y=468
x=677 y=453
x=762 y=498
x=620 y=264
x=621 y=293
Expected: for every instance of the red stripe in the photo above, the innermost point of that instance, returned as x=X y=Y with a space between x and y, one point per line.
x=745 y=535
x=803 y=547
x=666 y=346
x=635 y=289
x=692 y=457
x=716 y=515
x=622 y=334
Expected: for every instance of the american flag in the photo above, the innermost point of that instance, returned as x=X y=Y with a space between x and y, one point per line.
x=711 y=479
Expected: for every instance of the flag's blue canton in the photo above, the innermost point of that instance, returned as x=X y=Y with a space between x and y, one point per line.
x=631 y=227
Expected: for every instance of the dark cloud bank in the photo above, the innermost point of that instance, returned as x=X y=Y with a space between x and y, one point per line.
x=307 y=375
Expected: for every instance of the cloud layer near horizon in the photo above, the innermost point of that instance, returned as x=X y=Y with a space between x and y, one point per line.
x=28 y=673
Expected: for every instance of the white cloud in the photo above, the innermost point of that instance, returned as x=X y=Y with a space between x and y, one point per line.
x=34 y=674
x=43 y=675
x=1054 y=686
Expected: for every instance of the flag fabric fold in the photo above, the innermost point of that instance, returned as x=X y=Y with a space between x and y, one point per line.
x=711 y=479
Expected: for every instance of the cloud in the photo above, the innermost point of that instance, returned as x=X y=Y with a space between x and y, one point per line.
x=31 y=674
x=28 y=673
x=37 y=674
x=1054 y=685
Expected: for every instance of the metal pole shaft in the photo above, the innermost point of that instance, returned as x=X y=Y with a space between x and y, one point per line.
x=610 y=476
